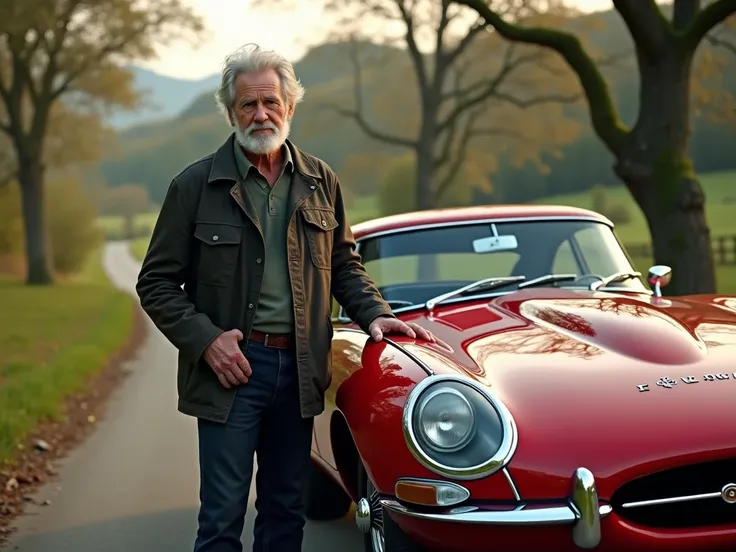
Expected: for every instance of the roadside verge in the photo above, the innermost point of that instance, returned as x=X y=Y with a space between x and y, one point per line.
x=62 y=350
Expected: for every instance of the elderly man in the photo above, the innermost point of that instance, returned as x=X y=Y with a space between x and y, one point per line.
x=251 y=242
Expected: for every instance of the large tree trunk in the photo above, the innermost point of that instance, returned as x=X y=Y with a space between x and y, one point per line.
x=656 y=166
x=30 y=176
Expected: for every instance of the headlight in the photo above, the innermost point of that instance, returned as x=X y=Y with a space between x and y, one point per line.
x=455 y=428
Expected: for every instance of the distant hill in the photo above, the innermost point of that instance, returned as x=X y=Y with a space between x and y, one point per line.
x=163 y=97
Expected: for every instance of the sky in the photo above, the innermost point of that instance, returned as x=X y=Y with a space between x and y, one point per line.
x=233 y=23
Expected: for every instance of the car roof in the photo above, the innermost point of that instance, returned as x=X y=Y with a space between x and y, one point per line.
x=435 y=217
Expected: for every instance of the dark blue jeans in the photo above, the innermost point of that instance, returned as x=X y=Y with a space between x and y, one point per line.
x=266 y=420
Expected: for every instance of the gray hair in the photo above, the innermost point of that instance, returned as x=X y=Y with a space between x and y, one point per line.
x=252 y=58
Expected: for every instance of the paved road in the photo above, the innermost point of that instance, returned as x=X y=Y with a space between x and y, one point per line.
x=132 y=486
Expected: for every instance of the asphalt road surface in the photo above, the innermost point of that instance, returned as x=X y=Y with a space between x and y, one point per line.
x=133 y=485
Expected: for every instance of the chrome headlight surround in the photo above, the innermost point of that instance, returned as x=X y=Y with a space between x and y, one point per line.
x=475 y=393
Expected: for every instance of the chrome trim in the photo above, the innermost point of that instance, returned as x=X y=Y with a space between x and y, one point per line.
x=434 y=483
x=411 y=355
x=582 y=511
x=551 y=278
x=600 y=220
x=472 y=515
x=363 y=515
x=492 y=465
x=595 y=286
x=401 y=348
x=434 y=301
x=511 y=483
x=723 y=493
x=587 y=530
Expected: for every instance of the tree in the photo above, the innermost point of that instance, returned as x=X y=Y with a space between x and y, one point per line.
x=65 y=57
x=127 y=201
x=454 y=91
x=652 y=157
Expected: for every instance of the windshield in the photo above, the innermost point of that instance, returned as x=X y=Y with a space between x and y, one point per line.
x=414 y=266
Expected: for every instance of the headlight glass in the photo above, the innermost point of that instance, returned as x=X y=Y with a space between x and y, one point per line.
x=447 y=420
x=457 y=430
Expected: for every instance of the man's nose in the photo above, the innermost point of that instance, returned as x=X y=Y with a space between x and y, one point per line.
x=261 y=114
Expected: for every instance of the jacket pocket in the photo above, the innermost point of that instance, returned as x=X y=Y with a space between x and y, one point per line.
x=319 y=227
x=219 y=246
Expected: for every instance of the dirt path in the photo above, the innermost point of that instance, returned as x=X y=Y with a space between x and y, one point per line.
x=132 y=486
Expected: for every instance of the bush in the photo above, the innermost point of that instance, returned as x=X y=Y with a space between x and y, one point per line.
x=397 y=192
x=72 y=226
x=71 y=222
x=618 y=213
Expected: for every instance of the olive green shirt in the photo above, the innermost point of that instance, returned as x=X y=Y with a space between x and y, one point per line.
x=275 y=310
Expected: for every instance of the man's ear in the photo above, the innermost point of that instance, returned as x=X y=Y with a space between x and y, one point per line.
x=230 y=118
x=290 y=112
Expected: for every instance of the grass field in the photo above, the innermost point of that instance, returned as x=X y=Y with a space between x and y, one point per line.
x=51 y=340
x=720 y=189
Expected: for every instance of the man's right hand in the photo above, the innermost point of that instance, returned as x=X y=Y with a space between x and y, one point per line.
x=227 y=360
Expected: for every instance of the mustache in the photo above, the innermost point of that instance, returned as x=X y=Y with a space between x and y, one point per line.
x=259 y=126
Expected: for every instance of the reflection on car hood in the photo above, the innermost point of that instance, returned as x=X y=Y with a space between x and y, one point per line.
x=580 y=368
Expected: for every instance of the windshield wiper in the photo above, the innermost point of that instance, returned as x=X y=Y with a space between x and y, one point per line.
x=614 y=278
x=549 y=279
x=480 y=285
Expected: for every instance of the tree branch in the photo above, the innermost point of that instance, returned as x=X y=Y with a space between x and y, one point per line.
x=604 y=116
x=647 y=26
x=357 y=113
x=411 y=45
x=720 y=43
x=709 y=17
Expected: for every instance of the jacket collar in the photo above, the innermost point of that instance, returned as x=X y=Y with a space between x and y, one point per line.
x=224 y=166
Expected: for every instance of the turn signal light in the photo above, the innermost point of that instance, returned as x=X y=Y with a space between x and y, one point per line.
x=426 y=492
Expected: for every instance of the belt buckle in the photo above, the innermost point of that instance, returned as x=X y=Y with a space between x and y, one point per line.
x=265 y=339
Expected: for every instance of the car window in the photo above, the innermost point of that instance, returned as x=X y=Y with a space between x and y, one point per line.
x=443 y=267
x=412 y=266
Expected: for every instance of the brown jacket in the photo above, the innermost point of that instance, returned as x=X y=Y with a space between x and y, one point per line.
x=207 y=239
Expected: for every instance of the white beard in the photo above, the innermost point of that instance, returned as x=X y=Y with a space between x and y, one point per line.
x=262 y=145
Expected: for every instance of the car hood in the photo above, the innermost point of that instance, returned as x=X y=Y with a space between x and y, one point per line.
x=598 y=379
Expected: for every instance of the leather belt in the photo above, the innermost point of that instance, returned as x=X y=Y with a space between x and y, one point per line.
x=275 y=341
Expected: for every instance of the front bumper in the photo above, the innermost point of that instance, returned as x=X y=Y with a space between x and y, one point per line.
x=583 y=512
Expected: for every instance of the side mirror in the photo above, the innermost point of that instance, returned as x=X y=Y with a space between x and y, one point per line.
x=658 y=277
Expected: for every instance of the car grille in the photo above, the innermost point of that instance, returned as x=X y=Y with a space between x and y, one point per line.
x=694 y=492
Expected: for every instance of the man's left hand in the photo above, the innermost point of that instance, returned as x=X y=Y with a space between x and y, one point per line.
x=384 y=325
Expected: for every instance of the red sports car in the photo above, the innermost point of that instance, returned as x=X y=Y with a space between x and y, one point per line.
x=566 y=406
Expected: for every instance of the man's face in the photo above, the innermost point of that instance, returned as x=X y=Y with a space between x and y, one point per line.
x=259 y=114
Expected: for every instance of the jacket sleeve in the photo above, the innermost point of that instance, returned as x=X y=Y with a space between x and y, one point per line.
x=166 y=267
x=352 y=287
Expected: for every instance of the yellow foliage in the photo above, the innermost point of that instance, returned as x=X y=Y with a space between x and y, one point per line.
x=71 y=224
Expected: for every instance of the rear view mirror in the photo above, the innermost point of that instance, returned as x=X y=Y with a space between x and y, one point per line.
x=495 y=243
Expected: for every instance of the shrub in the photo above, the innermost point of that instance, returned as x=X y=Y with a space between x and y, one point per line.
x=71 y=223
x=72 y=226
x=397 y=191
x=618 y=213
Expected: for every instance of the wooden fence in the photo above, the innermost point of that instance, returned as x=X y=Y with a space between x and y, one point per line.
x=724 y=250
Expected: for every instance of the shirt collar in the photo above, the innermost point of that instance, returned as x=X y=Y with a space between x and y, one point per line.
x=244 y=164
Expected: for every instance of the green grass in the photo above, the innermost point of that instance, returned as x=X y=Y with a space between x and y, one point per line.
x=719 y=188
x=52 y=339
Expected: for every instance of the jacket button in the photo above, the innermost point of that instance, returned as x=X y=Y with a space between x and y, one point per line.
x=250 y=305
x=324 y=223
x=215 y=238
x=258 y=261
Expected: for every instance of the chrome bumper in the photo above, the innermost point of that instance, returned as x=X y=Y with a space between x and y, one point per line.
x=582 y=511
